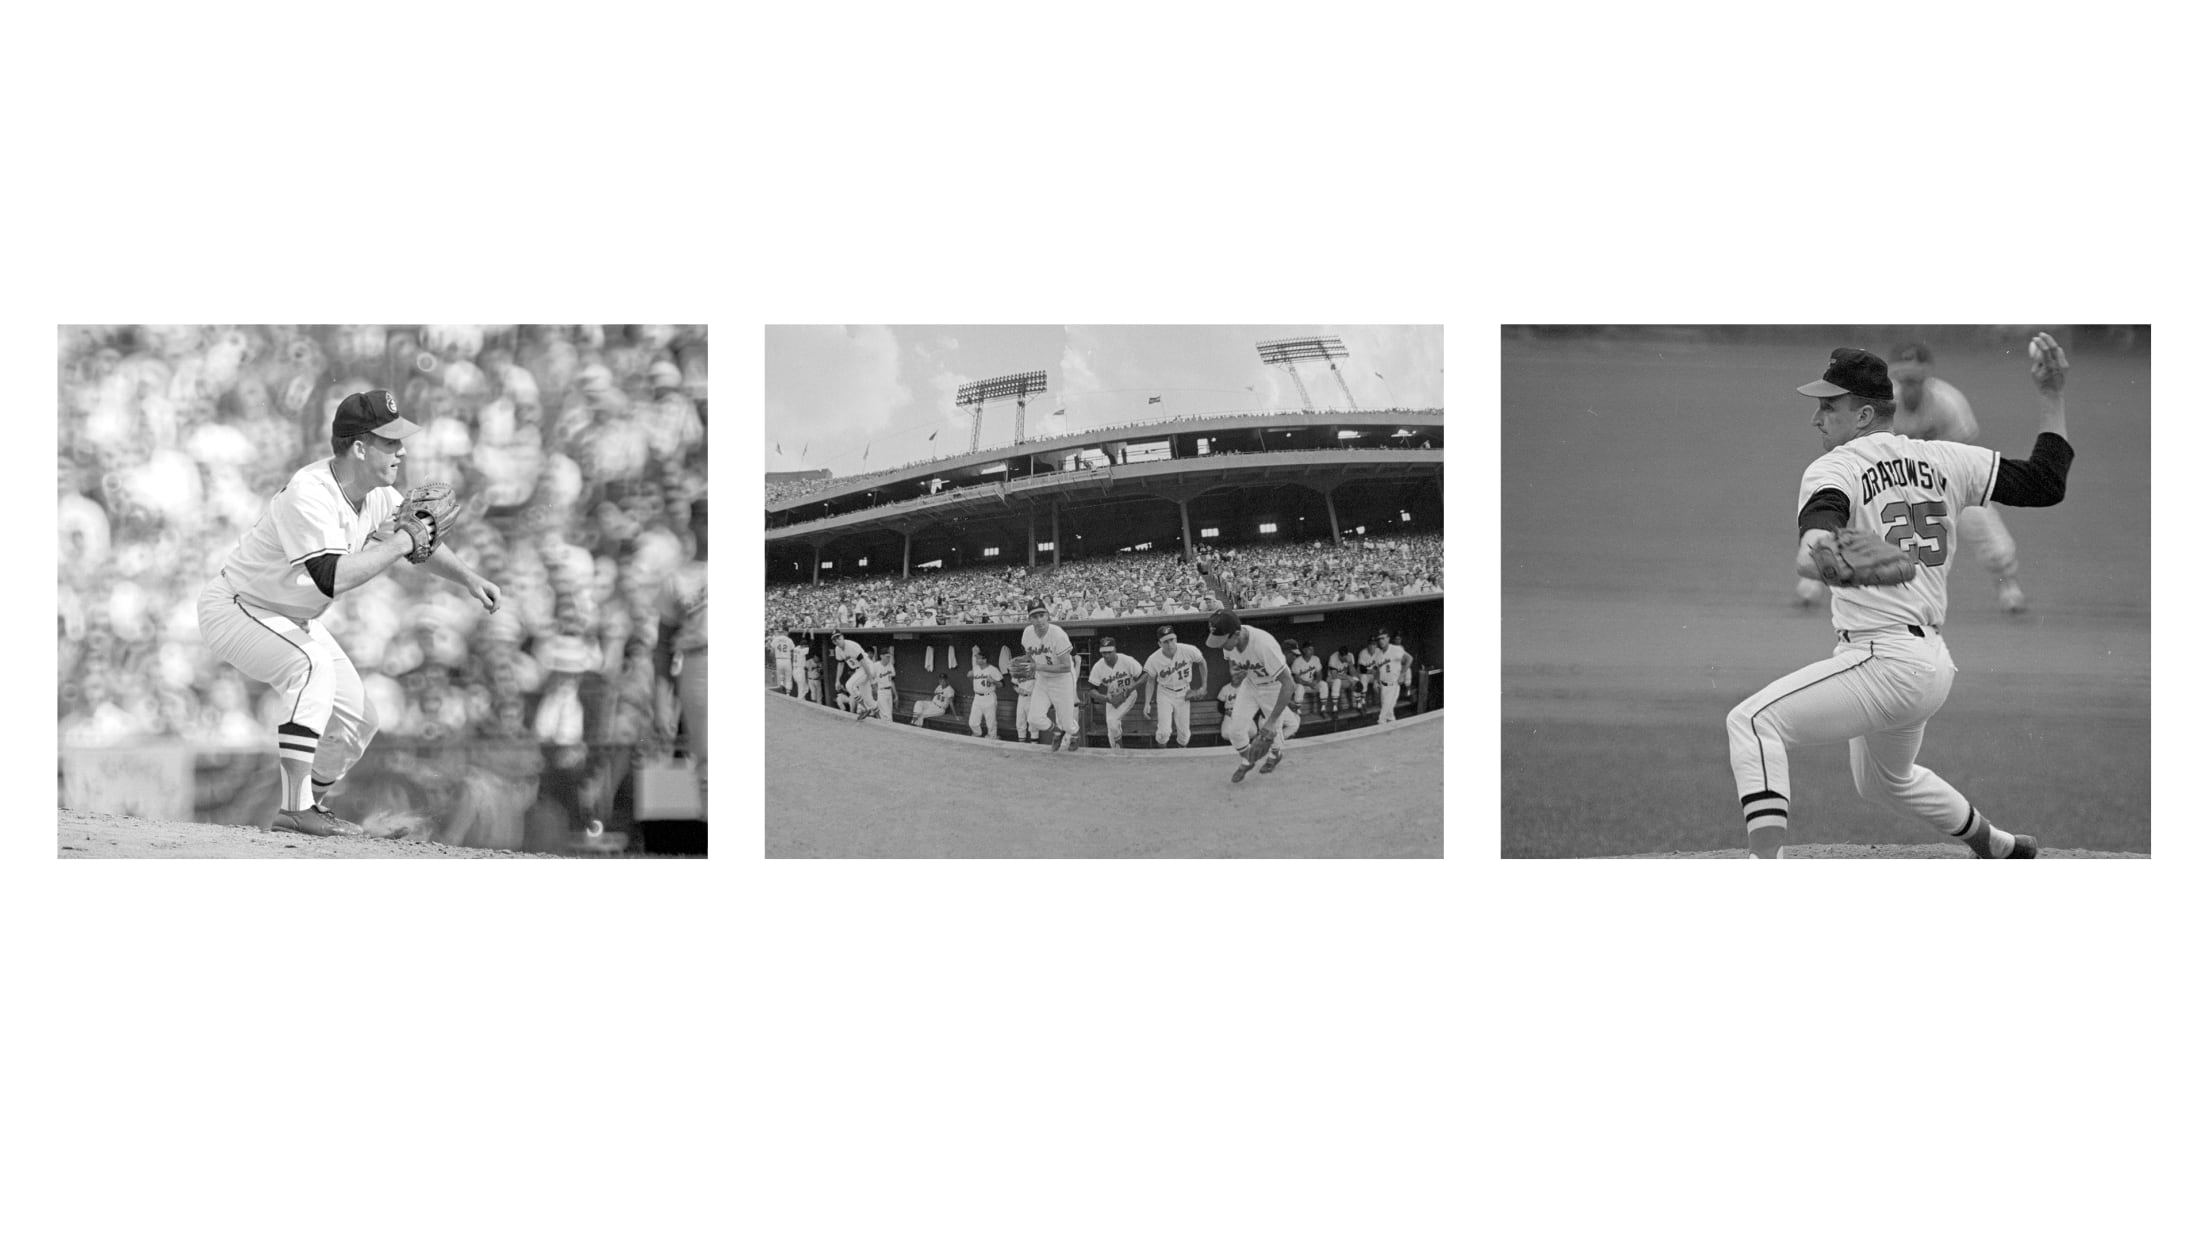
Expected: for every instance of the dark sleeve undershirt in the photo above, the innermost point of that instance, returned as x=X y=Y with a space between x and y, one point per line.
x=1827 y=510
x=2040 y=482
x=323 y=569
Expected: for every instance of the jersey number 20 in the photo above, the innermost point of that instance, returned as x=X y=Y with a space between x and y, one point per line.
x=1920 y=521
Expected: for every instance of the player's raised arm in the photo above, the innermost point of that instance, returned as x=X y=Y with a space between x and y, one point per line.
x=2043 y=479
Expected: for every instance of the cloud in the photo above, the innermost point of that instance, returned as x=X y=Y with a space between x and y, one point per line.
x=835 y=386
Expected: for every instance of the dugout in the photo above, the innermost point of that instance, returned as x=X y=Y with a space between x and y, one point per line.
x=1414 y=620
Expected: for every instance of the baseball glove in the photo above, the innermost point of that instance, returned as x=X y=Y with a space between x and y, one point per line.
x=1022 y=668
x=425 y=515
x=1259 y=745
x=1855 y=559
x=1122 y=694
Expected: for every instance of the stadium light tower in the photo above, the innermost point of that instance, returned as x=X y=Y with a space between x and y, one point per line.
x=1288 y=352
x=1018 y=387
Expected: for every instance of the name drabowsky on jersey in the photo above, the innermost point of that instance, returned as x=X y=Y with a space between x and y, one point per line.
x=1902 y=472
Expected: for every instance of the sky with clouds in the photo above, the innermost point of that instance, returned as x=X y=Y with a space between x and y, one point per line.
x=857 y=399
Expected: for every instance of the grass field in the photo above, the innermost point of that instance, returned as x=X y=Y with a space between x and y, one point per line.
x=1647 y=586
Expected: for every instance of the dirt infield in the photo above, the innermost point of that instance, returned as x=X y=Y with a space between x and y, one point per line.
x=843 y=789
x=1637 y=612
x=91 y=834
x=1882 y=851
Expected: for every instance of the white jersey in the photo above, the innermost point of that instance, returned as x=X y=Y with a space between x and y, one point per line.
x=1053 y=642
x=1172 y=673
x=782 y=648
x=1262 y=657
x=1393 y=664
x=1944 y=414
x=1114 y=673
x=308 y=517
x=985 y=677
x=1909 y=493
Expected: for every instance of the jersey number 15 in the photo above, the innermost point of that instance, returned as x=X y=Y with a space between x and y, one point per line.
x=1919 y=522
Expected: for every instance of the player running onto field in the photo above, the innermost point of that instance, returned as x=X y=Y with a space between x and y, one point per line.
x=1878 y=508
x=1255 y=658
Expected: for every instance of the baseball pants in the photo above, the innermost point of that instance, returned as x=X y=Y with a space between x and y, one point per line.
x=1875 y=693
x=1023 y=715
x=1112 y=718
x=983 y=718
x=1989 y=537
x=1172 y=717
x=858 y=687
x=886 y=697
x=1388 y=694
x=328 y=720
x=785 y=679
x=1241 y=722
x=1053 y=699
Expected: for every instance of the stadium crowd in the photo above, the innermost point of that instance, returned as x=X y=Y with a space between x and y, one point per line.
x=1130 y=584
x=580 y=449
x=782 y=491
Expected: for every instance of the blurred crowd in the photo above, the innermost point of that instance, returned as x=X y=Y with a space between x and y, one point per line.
x=1131 y=584
x=579 y=449
x=781 y=491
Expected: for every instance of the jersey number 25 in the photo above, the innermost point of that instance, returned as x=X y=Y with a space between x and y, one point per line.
x=1919 y=522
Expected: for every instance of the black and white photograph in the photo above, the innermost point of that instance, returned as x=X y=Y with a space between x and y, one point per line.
x=1103 y=591
x=1872 y=591
x=375 y=591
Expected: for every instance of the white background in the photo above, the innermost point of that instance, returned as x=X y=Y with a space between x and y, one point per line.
x=1107 y=1050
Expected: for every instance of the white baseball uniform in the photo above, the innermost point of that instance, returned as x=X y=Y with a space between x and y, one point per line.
x=1393 y=668
x=1265 y=670
x=1890 y=671
x=859 y=682
x=1172 y=675
x=1304 y=669
x=259 y=613
x=1112 y=674
x=785 y=663
x=982 y=717
x=938 y=704
x=1053 y=691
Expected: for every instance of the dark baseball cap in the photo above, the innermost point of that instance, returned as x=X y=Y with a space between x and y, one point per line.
x=374 y=410
x=1165 y=631
x=1854 y=372
x=1106 y=644
x=1223 y=625
x=1037 y=606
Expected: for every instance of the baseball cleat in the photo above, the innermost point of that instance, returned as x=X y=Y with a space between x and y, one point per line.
x=2026 y=847
x=1271 y=761
x=1242 y=771
x=315 y=822
x=1057 y=738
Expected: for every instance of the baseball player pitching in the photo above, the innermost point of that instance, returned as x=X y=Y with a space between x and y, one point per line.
x=1049 y=654
x=1876 y=523
x=1116 y=677
x=1174 y=674
x=335 y=525
x=1256 y=664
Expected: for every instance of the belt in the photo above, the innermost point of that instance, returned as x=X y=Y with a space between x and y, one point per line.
x=1916 y=630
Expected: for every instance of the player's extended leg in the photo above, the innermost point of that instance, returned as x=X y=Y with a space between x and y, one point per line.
x=352 y=723
x=285 y=655
x=1388 y=694
x=1887 y=773
x=1996 y=551
x=1283 y=729
x=1828 y=701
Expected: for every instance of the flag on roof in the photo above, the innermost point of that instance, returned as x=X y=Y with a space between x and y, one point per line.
x=1156 y=400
